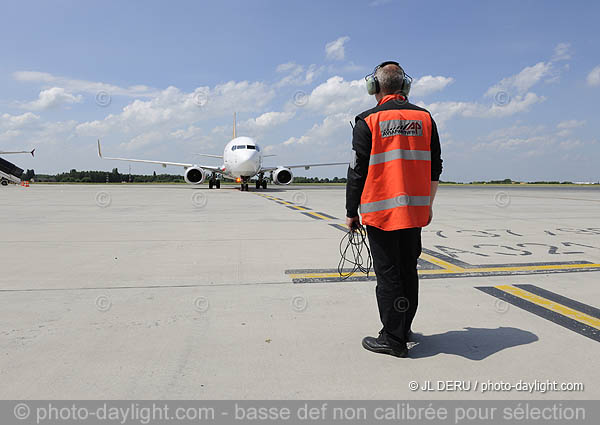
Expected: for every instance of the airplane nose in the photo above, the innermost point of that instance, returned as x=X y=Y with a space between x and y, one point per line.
x=249 y=164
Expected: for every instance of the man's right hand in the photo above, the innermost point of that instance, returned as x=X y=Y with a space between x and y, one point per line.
x=352 y=222
x=430 y=215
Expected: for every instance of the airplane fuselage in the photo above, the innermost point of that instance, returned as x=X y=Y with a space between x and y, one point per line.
x=242 y=157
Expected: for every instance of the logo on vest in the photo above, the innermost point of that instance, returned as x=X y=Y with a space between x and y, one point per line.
x=401 y=127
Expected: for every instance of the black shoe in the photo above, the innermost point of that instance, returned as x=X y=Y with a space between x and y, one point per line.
x=381 y=345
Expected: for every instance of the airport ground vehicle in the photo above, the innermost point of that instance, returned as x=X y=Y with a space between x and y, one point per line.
x=9 y=173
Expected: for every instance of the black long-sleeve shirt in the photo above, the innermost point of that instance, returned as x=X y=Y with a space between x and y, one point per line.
x=361 y=145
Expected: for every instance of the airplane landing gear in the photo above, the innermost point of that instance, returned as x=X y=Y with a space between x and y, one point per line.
x=244 y=184
x=214 y=182
x=261 y=182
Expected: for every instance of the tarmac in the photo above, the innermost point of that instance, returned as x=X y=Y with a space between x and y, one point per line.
x=180 y=292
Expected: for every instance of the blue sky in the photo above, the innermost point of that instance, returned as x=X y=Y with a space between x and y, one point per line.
x=513 y=85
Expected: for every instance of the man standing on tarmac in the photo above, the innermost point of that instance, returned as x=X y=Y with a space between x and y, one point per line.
x=394 y=176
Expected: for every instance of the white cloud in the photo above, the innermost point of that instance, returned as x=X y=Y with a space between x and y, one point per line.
x=593 y=78
x=337 y=95
x=173 y=108
x=429 y=84
x=83 y=86
x=562 y=52
x=520 y=83
x=443 y=111
x=571 y=144
x=334 y=50
x=13 y=122
x=52 y=98
x=266 y=121
x=189 y=133
x=569 y=124
x=142 y=141
x=567 y=127
x=321 y=134
x=296 y=75
x=530 y=138
x=288 y=66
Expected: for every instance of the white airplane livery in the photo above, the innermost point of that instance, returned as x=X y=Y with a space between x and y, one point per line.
x=242 y=160
x=32 y=152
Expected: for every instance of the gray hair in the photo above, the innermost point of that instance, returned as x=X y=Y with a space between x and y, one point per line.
x=391 y=78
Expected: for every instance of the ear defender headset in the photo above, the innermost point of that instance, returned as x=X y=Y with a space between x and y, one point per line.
x=373 y=83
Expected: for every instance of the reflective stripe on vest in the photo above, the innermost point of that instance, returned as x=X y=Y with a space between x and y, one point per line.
x=395 y=202
x=378 y=158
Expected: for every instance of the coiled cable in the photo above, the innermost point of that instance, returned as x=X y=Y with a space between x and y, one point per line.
x=355 y=251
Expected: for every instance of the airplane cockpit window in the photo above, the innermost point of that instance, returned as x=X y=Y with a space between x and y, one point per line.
x=233 y=148
x=240 y=147
x=251 y=147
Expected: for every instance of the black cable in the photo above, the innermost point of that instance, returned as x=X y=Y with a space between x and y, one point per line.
x=356 y=242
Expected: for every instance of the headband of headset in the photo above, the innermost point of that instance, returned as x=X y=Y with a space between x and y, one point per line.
x=373 y=83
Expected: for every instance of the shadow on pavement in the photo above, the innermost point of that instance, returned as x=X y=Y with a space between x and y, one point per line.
x=470 y=343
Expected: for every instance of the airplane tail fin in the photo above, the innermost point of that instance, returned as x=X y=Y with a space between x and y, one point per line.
x=234 y=125
x=32 y=152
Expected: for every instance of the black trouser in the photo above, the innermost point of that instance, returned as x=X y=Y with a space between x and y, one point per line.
x=395 y=254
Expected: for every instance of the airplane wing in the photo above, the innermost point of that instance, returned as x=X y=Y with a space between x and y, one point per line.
x=32 y=152
x=163 y=163
x=305 y=166
x=209 y=155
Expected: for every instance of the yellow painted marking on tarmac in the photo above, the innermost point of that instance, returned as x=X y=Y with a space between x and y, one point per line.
x=331 y=275
x=322 y=217
x=456 y=270
x=446 y=265
x=534 y=268
x=299 y=208
x=551 y=305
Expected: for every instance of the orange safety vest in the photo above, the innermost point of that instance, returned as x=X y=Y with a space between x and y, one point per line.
x=397 y=190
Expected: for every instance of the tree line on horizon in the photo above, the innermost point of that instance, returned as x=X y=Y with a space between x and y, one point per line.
x=114 y=176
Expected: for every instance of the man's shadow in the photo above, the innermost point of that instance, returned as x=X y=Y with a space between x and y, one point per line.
x=470 y=343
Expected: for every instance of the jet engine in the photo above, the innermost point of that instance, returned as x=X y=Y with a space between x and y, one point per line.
x=282 y=175
x=194 y=175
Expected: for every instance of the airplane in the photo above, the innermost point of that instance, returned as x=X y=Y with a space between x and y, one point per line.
x=6 y=153
x=242 y=160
